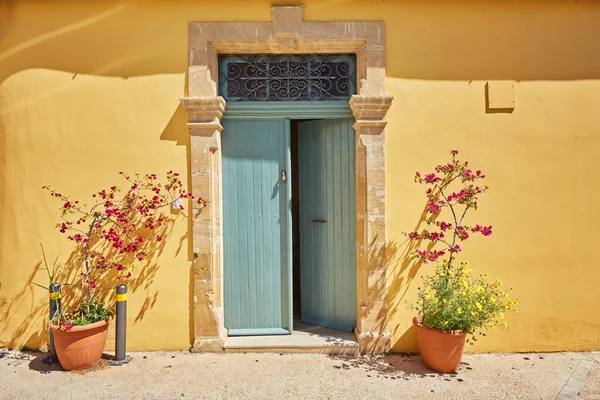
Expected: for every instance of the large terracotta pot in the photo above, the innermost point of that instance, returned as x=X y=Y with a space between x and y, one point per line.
x=441 y=351
x=82 y=346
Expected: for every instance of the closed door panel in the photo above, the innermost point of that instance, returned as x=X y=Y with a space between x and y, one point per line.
x=256 y=218
x=327 y=214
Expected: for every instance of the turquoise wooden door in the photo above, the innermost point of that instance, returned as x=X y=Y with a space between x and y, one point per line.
x=256 y=227
x=326 y=178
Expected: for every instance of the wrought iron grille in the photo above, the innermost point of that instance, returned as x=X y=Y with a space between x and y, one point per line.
x=287 y=77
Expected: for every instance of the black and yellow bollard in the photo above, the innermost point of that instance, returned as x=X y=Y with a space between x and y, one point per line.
x=121 y=328
x=55 y=295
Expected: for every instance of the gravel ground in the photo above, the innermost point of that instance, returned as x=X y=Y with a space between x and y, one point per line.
x=591 y=387
x=180 y=375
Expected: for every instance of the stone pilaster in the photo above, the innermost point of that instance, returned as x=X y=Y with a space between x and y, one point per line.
x=371 y=330
x=205 y=152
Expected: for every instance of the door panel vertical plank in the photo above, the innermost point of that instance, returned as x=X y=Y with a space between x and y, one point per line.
x=289 y=248
x=258 y=227
x=314 y=228
x=235 y=238
x=339 y=201
x=245 y=241
x=275 y=266
x=350 y=218
x=270 y=276
x=330 y=226
x=345 y=184
x=251 y=234
x=302 y=209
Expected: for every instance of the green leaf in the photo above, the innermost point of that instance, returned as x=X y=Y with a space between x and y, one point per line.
x=43 y=287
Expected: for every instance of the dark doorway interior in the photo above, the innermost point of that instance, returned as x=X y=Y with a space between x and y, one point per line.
x=295 y=220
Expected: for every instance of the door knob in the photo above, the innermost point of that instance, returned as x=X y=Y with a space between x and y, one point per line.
x=283 y=177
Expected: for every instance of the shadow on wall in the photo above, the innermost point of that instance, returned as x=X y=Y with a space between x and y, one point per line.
x=176 y=131
x=401 y=273
x=476 y=40
x=102 y=38
x=73 y=293
x=426 y=39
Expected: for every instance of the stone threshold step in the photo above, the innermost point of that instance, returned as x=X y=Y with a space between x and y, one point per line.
x=298 y=342
x=334 y=350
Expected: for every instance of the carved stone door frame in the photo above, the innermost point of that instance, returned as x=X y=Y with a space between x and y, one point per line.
x=288 y=33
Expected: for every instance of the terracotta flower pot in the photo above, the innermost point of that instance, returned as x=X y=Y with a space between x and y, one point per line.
x=82 y=346
x=441 y=351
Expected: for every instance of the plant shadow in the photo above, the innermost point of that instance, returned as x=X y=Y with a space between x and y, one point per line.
x=401 y=366
x=31 y=330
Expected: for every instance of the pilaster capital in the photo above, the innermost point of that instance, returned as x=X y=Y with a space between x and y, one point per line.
x=205 y=114
x=370 y=112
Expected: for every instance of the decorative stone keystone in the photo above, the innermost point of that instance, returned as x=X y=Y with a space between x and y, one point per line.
x=287 y=21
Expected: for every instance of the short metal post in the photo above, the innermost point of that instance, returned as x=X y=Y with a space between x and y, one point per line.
x=55 y=295
x=120 y=337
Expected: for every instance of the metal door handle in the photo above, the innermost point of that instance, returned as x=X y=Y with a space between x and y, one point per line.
x=319 y=221
x=283 y=177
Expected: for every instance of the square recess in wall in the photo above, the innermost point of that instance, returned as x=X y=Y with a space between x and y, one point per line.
x=499 y=96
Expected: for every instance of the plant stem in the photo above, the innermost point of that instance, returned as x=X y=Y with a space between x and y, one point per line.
x=86 y=259
x=452 y=251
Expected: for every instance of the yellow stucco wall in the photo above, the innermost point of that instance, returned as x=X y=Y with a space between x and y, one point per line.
x=91 y=88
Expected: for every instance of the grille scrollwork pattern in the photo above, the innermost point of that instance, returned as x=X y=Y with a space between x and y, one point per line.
x=287 y=77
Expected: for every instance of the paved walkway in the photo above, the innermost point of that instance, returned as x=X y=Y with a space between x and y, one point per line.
x=181 y=375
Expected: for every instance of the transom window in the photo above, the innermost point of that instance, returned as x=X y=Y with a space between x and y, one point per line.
x=287 y=77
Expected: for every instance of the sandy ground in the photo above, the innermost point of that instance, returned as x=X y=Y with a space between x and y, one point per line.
x=181 y=375
x=591 y=387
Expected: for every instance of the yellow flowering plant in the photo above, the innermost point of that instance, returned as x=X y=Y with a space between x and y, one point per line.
x=454 y=298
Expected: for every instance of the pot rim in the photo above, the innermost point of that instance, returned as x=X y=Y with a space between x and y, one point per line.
x=458 y=332
x=79 y=328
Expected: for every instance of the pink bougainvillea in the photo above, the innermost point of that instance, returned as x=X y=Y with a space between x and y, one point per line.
x=116 y=232
x=453 y=186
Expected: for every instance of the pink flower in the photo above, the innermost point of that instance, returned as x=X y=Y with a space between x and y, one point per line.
x=432 y=178
x=454 y=152
x=65 y=326
x=433 y=207
x=444 y=225
x=462 y=233
x=484 y=230
x=426 y=255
